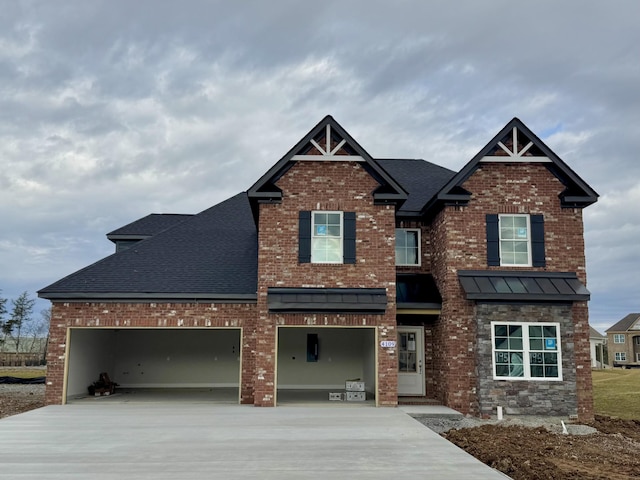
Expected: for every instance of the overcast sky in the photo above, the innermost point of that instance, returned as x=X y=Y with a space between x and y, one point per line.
x=113 y=110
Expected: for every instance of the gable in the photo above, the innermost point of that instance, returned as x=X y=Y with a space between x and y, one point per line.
x=326 y=142
x=515 y=143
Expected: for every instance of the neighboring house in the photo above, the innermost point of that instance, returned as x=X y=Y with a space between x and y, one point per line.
x=464 y=287
x=597 y=341
x=623 y=340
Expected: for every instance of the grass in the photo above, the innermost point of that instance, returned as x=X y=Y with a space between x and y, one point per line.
x=616 y=393
x=23 y=372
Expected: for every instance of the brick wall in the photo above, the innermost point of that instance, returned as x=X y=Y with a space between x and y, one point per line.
x=146 y=315
x=458 y=238
x=332 y=186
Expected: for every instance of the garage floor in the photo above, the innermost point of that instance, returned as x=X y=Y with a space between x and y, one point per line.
x=196 y=441
x=222 y=396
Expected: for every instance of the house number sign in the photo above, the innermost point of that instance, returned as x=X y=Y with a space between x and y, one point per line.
x=388 y=344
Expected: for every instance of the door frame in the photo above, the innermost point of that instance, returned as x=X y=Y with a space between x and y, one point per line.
x=420 y=366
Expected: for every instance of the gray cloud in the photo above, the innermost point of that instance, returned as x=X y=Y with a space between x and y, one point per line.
x=112 y=110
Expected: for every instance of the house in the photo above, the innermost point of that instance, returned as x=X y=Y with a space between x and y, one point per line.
x=467 y=288
x=623 y=339
x=597 y=341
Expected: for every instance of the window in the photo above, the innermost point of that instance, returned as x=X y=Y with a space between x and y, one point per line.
x=637 y=339
x=515 y=240
x=326 y=237
x=621 y=357
x=407 y=246
x=526 y=351
x=618 y=338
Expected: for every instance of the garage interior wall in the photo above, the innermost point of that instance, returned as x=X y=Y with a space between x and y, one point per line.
x=343 y=354
x=177 y=358
x=90 y=353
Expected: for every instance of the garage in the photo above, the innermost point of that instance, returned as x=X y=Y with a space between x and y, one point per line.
x=315 y=361
x=150 y=364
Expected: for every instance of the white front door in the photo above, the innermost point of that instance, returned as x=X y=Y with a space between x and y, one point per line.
x=410 y=361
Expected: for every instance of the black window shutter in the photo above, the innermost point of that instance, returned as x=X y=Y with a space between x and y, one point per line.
x=537 y=241
x=493 y=241
x=349 y=221
x=304 y=237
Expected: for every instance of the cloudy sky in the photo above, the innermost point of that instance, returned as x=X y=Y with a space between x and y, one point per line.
x=110 y=110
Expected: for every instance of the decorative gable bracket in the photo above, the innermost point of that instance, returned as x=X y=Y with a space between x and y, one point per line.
x=515 y=143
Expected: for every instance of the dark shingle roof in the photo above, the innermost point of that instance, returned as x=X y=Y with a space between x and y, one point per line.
x=421 y=179
x=624 y=324
x=211 y=255
x=148 y=226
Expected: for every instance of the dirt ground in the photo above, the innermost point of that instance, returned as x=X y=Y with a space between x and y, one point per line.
x=535 y=453
x=520 y=452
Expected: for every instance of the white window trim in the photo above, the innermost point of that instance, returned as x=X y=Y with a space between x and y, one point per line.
x=313 y=230
x=618 y=356
x=419 y=264
x=529 y=246
x=526 y=350
x=617 y=336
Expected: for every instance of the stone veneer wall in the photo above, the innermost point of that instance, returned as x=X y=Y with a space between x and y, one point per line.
x=458 y=242
x=524 y=397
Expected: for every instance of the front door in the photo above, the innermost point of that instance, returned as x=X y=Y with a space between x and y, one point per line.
x=410 y=361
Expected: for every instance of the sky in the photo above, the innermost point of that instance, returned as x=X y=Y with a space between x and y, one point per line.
x=111 y=110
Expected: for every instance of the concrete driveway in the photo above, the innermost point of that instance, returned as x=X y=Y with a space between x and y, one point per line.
x=197 y=441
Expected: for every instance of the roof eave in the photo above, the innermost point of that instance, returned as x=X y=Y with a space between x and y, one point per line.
x=145 y=297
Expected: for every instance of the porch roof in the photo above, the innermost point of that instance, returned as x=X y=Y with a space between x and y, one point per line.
x=514 y=286
x=327 y=300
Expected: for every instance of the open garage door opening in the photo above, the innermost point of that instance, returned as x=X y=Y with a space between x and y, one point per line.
x=155 y=364
x=314 y=362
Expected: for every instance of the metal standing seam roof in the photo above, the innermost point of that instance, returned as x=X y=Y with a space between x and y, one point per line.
x=493 y=285
x=326 y=300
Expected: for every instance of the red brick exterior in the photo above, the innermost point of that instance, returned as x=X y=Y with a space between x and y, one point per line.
x=146 y=315
x=330 y=186
x=455 y=239
x=459 y=243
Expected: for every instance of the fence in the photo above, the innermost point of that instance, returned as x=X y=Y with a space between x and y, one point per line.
x=21 y=359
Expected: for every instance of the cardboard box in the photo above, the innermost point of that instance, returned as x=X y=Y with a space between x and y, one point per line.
x=356 y=396
x=336 y=396
x=354 y=386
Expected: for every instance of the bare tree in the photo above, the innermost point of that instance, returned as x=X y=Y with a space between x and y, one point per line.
x=3 y=311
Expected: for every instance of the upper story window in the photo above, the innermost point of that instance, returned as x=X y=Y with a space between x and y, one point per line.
x=515 y=240
x=326 y=237
x=618 y=338
x=408 y=246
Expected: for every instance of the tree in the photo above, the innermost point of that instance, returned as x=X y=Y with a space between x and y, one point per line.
x=3 y=312
x=20 y=316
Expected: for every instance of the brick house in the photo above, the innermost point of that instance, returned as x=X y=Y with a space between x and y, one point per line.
x=463 y=287
x=623 y=339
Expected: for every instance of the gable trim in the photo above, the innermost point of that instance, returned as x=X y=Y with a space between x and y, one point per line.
x=265 y=188
x=577 y=194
